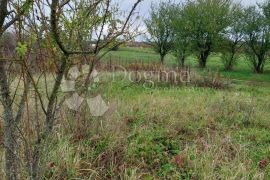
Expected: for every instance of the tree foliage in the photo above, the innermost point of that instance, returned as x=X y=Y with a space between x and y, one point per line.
x=257 y=37
x=206 y=19
x=181 y=34
x=232 y=38
x=158 y=26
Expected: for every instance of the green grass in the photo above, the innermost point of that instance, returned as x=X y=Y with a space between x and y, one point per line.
x=243 y=69
x=167 y=133
x=133 y=54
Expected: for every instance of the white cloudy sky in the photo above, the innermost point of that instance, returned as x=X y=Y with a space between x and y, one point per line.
x=145 y=5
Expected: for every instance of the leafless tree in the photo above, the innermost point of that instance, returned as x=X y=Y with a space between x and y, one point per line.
x=67 y=41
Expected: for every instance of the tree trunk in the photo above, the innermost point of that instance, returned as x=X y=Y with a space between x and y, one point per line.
x=204 y=55
x=203 y=58
x=260 y=66
x=182 y=58
x=229 y=65
x=10 y=142
x=182 y=61
x=50 y=117
x=52 y=100
x=162 y=59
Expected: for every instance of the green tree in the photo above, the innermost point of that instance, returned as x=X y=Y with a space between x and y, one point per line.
x=233 y=38
x=205 y=20
x=181 y=34
x=257 y=37
x=158 y=26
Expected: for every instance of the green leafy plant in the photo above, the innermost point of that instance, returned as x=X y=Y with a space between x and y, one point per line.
x=21 y=49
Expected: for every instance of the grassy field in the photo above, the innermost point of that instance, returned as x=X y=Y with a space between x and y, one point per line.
x=243 y=69
x=165 y=132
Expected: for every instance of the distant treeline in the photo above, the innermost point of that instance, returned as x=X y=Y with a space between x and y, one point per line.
x=204 y=26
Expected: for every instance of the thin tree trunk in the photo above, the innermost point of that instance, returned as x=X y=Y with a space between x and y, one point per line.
x=203 y=58
x=202 y=61
x=11 y=163
x=50 y=118
x=52 y=100
x=229 y=64
x=260 y=66
x=162 y=59
x=232 y=58
x=182 y=61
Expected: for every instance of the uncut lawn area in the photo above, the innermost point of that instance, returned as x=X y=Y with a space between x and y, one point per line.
x=169 y=133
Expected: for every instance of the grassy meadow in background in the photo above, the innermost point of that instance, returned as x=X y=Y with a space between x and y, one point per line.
x=242 y=70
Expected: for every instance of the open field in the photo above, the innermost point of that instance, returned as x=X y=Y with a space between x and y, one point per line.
x=92 y=90
x=242 y=71
x=165 y=133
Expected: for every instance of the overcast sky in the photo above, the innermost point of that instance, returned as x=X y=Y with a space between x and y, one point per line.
x=145 y=5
